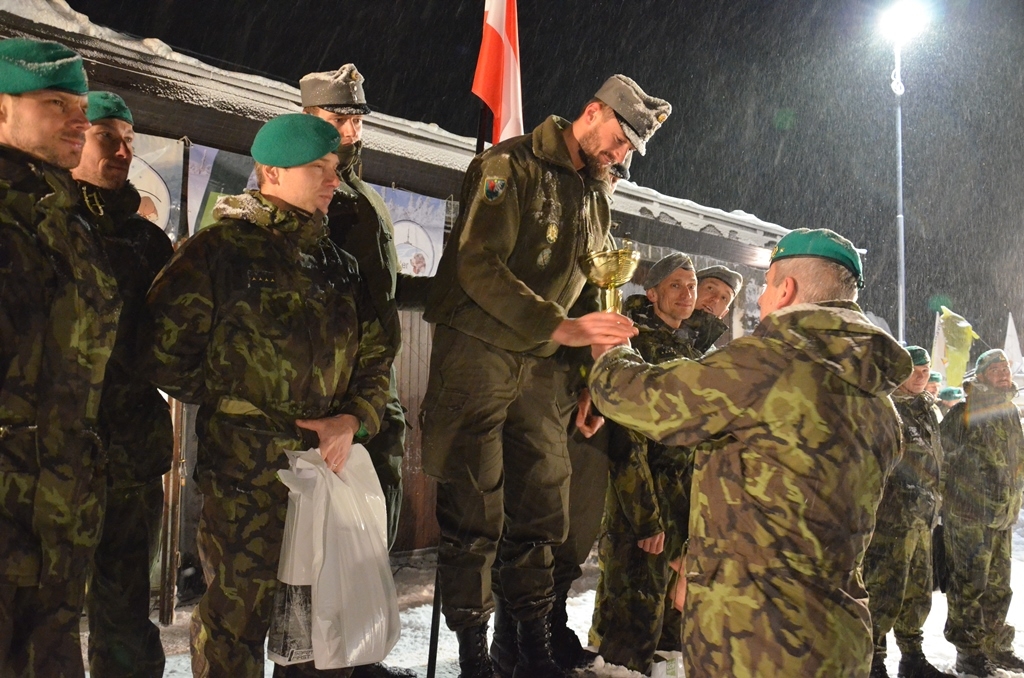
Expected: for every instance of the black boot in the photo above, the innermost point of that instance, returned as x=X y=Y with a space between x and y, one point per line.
x=878 y=669
x=535 y=657
x=1006 y=659
x=915 y=665
x=976 y=664
x=380 y=670
x=473 y=659
x=505 y=641
x=568 y=652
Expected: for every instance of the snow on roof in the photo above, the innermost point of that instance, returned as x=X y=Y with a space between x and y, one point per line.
x=261 y=98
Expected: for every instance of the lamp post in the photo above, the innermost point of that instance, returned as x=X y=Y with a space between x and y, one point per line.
x=900 y=23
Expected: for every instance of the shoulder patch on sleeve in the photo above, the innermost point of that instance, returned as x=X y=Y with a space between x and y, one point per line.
x=494 y=189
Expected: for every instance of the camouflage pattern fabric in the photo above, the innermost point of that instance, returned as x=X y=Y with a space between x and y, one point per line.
x=261 y=320
x=801 y=435
x=898 y=562
x=984 y=446
x=701 y=330
x=648 y=493
x=39 y=626
x=58 y=320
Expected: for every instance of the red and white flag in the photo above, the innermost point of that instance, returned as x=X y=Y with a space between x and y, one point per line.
x=496 y=80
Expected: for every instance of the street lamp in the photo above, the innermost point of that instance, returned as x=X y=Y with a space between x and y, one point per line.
x=900 y=23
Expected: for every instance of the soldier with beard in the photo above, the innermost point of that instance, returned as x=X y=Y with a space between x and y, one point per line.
x=898 y=562
x=58 y=321
x=122 y=639
x=984 y=446
x=498 y=395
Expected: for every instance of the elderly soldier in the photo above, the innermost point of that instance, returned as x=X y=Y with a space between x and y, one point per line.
x=58 y=321
x=801 y=435
x=494 y=434
x=984 y=447
x=122 y=639
x=647 y=503
x=898 y=563
x=265 y=323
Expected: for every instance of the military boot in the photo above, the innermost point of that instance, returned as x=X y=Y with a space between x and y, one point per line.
x=878 y=669
x=473 y=659
x=505 y=641
x=1006 y=659
x=977 y=665
x=535 y=656
x=915 y=665
x=565 y=644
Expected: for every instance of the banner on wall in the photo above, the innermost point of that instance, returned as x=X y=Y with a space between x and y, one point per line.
x=419 y=228
x=156 y=174
x=213 y=173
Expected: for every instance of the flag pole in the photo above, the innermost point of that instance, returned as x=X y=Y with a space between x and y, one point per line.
x=485 y=125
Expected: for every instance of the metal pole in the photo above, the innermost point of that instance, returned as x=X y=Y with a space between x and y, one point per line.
x=897 y=88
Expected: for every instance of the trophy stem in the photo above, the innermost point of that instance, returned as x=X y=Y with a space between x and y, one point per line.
x=611 y=299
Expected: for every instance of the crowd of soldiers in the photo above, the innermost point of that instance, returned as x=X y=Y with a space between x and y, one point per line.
x=764 y=507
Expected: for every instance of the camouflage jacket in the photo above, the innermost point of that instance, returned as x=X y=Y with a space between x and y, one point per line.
x=58 y=320
x=512 y=264
x=632 y=472
x=261 y=320
x=801 y=434
x=912 y=492
x=984 y=447
x=133 y=414
x=702 y=330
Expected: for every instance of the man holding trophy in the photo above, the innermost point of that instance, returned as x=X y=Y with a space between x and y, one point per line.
x=498 y=398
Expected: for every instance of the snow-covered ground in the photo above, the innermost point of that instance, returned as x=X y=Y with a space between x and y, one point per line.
x=411 y=651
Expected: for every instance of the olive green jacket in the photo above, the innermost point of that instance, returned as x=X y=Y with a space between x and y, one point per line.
x=512 y=264
x=133 y=414
x=261 y=320
x=801 y=433
x=912 y=493
x=59 y=309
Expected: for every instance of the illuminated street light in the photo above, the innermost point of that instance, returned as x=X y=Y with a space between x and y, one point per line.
x=900 y=23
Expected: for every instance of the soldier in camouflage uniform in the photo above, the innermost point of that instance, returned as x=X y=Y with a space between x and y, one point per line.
x=498 y=401
x=58 y=320
x=898 y=563
x=361 y=225
x=264 y=323
x=717 y=287
x=122 y=639
x=984 y=447
x=647 y=499
x=800 y=435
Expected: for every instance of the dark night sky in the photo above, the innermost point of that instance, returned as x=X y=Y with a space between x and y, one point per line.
x=782 y=109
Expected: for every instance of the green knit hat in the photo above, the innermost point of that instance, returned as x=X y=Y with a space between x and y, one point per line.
x=935 y=377
x=951 y=393
x=822 y=243
x=920 y=356
x=103 y=105
x=293 y=139
x=29 y=65
x=990 y=358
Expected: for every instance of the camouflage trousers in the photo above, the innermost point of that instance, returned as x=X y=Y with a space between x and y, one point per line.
x=979 y=586
x=39 y=635
x=122 y=639
x=633 y=614
x=387 y=449
x=750 y=621
x=494 y=436
x=898 y=577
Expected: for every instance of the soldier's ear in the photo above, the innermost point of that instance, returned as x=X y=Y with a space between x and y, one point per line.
x=652 y=296
x=272 y=175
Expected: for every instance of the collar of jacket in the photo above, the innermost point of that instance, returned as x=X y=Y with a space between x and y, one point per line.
x=119 y=204
x=28 y=175
x=640 y=310
x=255 y=208
x=349 y=157
x=549 y=145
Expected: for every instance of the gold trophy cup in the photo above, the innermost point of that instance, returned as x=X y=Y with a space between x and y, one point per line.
x=610 y=270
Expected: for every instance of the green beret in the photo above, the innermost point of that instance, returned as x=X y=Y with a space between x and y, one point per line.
x=990 y=358
x=951 y=393
x=822 y=243
x=103 y=105
x=293 y=139
x=935 y=377
x=30 y=65
x=665 y=267
x=731 y=278
x=919 y=356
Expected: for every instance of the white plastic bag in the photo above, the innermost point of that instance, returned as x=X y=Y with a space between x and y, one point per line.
x=337 y=542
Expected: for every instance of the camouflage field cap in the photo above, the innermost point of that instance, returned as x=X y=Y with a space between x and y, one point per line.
x=919 y=355
x=822 y=243
x=935 y=377
x=29 y=65
x=951 y=393
x=340 y=91
x=293 y=139
x=664 y=268
x=103 y=105
x=730 y=277
x=639 y=114
x=990 y=358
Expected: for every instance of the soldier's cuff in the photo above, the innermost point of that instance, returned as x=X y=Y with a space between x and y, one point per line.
x=369 y=419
